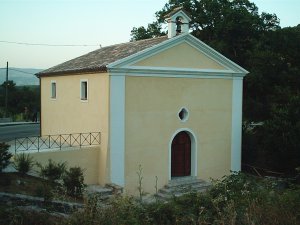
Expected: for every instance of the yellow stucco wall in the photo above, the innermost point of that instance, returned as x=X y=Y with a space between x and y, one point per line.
x=152 y=106
x=86 y=158
x=68 y=114
x=173 y=57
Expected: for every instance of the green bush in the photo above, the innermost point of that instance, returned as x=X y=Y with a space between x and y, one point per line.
x=52 y=171
x=45 y=191
x=5 y=156
x=73 y=181
x=23 y=163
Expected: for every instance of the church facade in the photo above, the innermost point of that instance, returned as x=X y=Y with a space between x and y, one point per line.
x=171 y=105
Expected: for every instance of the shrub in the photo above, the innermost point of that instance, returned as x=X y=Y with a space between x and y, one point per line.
x=23 y=163
x=73 y=181
x=5 y=156
x=52 y=171
x=45 y=191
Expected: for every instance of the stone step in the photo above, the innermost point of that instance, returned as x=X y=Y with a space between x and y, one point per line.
x=183 y=181
x=100 y=192
x=197 y=186
x=180 y=186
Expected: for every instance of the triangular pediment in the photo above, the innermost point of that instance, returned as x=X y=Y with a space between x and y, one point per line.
x=182 y=53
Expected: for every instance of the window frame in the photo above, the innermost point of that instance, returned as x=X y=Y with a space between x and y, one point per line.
x=53 y=94
x=86 y=91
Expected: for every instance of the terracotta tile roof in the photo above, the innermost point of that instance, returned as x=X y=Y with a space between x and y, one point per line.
x=96 y=61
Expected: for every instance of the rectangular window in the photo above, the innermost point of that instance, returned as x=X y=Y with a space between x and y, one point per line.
x=53 y=89
x=83 y=90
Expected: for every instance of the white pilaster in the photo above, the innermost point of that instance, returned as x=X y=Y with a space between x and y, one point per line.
x=117 y=129
x=236 y=124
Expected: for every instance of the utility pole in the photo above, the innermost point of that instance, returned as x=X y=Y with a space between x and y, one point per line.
x=6 y=90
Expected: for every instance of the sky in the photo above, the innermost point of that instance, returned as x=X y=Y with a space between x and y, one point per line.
x=86 y=22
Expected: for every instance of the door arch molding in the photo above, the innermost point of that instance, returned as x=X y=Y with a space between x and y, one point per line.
x=193 y=151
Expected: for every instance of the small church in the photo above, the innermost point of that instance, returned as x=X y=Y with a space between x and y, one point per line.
x=171 y=105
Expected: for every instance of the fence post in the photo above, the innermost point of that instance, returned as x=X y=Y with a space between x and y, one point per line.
x=80 y=140
x=38 y=144
x=70 y=140
x=15 y=145
x=60 y=142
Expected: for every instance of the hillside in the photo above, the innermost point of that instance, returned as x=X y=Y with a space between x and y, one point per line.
x=21 y=76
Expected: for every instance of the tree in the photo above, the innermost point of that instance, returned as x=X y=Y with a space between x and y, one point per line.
x=275 y=145
x=231 y=27
x=5 y=156
x=275 y=70
x=140 y=33
x=20 y=97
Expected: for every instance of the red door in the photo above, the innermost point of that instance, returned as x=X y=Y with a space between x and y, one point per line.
x=181 y=155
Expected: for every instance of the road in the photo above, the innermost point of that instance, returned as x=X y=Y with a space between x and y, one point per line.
x=9 y=133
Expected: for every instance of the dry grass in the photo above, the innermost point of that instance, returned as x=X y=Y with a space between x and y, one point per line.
x=16 y=183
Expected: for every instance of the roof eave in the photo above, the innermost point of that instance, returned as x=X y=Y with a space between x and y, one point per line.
x=102 y=69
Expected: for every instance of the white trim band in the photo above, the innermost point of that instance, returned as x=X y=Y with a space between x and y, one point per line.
x=236 y=124
x=117 y=130
x=173 y=72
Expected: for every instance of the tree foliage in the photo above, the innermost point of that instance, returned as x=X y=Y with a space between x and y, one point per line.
x=5 y=156
x=19 y=97
x=271 y=54
x=153 y=30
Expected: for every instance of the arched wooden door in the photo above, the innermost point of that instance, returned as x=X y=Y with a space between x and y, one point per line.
x=181 y=155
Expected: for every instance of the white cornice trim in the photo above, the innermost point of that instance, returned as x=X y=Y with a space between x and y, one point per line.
x=173 y=72
x=183 y=38
x=213 y=54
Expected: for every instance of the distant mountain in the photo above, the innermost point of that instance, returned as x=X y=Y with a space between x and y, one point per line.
x=21 y=76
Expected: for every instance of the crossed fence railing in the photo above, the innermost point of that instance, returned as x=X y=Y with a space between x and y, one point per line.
x=39 y=143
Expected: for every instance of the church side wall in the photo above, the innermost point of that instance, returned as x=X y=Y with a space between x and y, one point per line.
x=68 y=114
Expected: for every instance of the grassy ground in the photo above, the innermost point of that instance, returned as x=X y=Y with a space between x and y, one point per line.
x=17 y=184
x=237 y=199
x=34 y=186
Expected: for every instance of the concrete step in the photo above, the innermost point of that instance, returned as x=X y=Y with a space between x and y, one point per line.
x=180 y=186
x=186 y=182
x=197 y=186
x=102 y=193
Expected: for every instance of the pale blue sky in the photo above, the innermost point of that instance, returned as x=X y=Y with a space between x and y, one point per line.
x=91 y=22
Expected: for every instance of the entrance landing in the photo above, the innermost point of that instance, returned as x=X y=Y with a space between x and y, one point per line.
x=179 y=186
